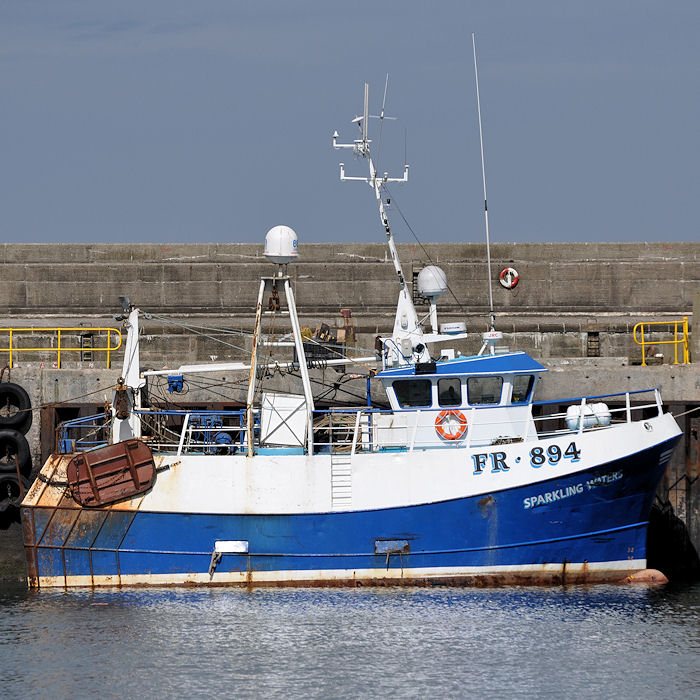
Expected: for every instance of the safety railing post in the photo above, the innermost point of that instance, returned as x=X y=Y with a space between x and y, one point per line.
x=10 y=348
x=185 y=426
x=686 y=355
x=355 y=433
x=529 y=421
x=470 y=428
x=412 y=443
x=644 y=352
x=109 y=346
x=59 y=349
x=581 y=415
x=675 y=343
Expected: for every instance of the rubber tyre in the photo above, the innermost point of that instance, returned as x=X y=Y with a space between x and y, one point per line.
x=10 y=491
x=12 y=442
x=17 y=399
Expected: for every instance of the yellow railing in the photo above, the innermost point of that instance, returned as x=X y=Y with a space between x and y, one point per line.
x=639 y=339
x=111 y=333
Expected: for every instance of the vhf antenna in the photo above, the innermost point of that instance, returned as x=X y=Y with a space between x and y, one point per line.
x=492 y=336
x=361 y=148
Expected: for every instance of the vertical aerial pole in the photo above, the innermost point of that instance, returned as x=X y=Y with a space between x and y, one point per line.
x=365 y=117
x=492 y=336
x=492 y=319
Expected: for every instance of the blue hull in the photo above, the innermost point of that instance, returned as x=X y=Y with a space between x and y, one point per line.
x=530 y=533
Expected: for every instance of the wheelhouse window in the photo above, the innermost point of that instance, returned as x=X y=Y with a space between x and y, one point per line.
x=449 y=392
x=522 y=386
x=413 y=392
x=484 y=389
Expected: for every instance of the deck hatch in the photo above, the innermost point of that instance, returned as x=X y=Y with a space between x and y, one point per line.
x=111 y=473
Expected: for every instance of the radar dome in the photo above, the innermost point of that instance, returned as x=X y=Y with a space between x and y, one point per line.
x=432 y=282
x=281 y=245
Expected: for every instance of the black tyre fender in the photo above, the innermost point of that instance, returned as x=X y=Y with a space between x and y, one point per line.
x=14 y=405
x=12 y=443
x=10 y=492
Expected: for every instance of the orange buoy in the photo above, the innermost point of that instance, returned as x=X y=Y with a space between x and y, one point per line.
x=445 y=425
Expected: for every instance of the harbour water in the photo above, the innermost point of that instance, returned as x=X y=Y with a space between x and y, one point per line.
x=597 y=641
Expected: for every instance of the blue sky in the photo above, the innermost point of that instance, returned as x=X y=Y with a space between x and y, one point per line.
x=179 y=121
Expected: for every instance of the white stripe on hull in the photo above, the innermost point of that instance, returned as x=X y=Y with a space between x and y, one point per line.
x=613 y=571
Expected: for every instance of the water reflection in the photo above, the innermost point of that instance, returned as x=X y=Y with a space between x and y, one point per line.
x=454 y=642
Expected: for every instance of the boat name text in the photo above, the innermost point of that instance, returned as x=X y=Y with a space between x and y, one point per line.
x=560 y=494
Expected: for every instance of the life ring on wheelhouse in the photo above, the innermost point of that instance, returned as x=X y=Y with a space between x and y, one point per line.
x=450 y=425
x=509 y=277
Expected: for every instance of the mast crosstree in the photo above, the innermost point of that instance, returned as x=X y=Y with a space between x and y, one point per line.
x=408 y=342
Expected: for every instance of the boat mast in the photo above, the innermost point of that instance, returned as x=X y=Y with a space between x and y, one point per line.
x=361 y=147
x=408 y=333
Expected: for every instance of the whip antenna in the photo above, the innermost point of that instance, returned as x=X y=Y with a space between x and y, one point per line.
x=492 y=336
x=381 y=119
x=483 y=179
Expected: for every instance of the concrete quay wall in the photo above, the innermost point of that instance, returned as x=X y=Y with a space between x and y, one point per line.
x=568 y=292
x=559 y=278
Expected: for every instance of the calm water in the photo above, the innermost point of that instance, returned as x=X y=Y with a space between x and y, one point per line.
x=603 y=641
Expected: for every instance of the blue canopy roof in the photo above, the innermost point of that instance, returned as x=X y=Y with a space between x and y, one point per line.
x=510 y=363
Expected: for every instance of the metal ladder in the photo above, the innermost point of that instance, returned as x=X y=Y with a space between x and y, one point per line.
x=341 y=467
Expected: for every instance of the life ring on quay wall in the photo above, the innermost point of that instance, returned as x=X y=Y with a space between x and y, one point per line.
x=509 y=277
x=444 y=421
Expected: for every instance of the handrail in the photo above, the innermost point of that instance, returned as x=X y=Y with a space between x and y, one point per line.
x=675 y=342
x=573 y=399
x=59 y=349
x=364 y=430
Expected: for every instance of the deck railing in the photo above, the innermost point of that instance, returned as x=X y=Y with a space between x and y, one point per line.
x=59 y=334
x=352 y=430
x=638 y=335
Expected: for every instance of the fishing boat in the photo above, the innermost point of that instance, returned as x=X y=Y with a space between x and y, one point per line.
x=463 y=479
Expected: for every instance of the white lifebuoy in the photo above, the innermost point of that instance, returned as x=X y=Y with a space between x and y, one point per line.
x=509 y=277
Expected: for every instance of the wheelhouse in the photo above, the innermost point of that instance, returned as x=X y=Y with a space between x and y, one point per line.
x=463 y=383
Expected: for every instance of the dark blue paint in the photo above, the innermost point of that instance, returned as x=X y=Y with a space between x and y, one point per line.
x=113 y=529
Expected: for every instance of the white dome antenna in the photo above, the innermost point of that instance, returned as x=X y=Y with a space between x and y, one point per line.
x=281 y=245
x=432 y=284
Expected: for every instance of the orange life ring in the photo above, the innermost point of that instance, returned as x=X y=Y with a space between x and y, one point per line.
x=442 y=419
x=509 y=277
